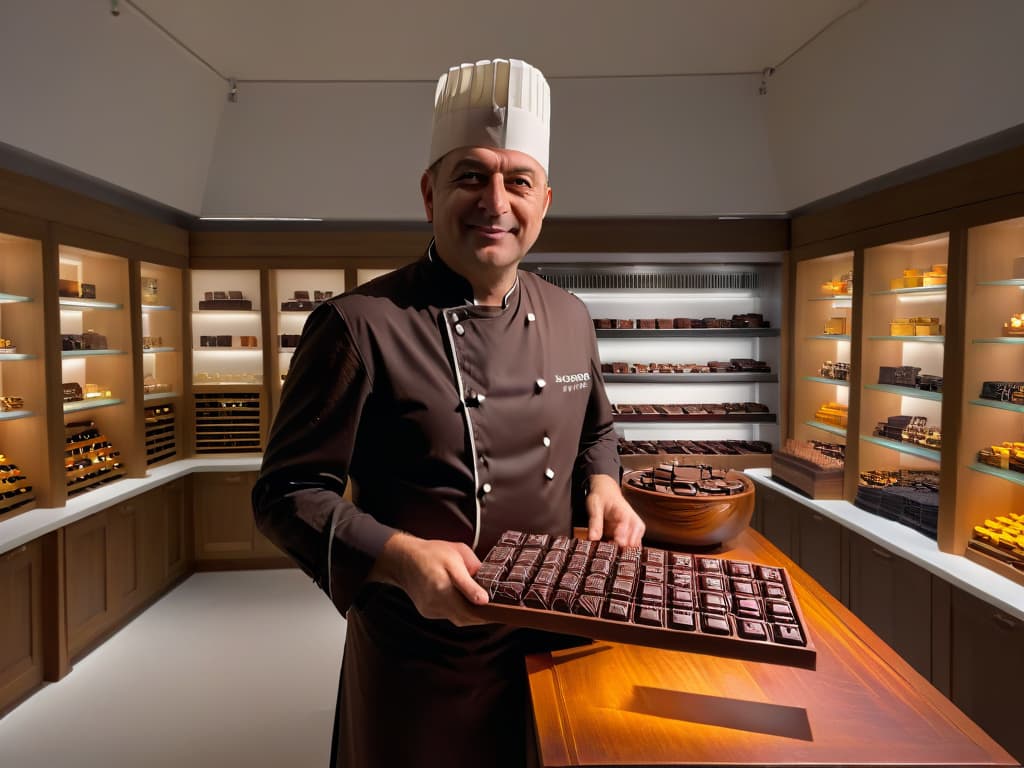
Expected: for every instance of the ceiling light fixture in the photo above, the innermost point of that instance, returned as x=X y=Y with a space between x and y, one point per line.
x=232 y=90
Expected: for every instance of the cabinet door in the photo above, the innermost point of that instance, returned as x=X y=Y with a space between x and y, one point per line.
x=151 y=518
x=21 y=644
x=124 y=555
x=177 y=556
x=778 y=518
x=988 y=669
x=224 y=520
x=820 y=549
x=894 y=598
x=87 y=581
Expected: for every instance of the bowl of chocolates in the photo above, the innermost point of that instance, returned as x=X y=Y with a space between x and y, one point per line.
x=694 y=506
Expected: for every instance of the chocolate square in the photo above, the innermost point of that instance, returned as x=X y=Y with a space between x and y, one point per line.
x=538 y=596
x=512 y=538
x=500 y=554
x=520 y=574
x=681 y=597
x=570 y=581
x=508 y=592
x=563 y=600
x=776 y=591
x=767 y=573
x=681 y=579
x=651 y=593
x=588 y=605
x=744 y=587
x=654 y=573
x=650 y=615
x=712 y=583
x=595 y=584
x=546 y=577
x=715 y=624
x=747 y=607
x=714 y=602
x=678 y=560
x=561 y=544
x=741 y=569
x=654 y=556
x=577 y=563
x=617 y=610
x=751 y=630
x=623 y=588
x=626 y=570
x=555 y=558
x=682 y=619
x=779 y=610
x=539 y=540
x=709 y=565
x=603 y=567
x=606 y=550
x=788 y=634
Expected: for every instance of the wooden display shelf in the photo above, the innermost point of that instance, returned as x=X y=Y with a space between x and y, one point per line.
x=988 y=556
x=807 y=478
x=157 y=308
x=17 y=504
x=716 y=460
x=1003 y=474
x=82 y=485
x=1000 y=404
x=87 y=405
x=14 y=415
x=157 y=350
x=152 y=396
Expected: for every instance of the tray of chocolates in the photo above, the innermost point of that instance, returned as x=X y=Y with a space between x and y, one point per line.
x=645 y=596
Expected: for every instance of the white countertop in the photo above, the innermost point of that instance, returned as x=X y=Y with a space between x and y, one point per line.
x=975 y=579
x=26 y=526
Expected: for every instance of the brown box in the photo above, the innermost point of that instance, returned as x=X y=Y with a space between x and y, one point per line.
x=68 y=289
x=835 y=326
x=810 y=480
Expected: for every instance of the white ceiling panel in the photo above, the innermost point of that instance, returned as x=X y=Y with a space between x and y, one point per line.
x=414 y=40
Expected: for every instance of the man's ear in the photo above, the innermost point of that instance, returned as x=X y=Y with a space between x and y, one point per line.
x=547 y=203
x=427 y=190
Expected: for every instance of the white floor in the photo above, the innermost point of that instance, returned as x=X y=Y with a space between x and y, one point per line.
x=229 y=669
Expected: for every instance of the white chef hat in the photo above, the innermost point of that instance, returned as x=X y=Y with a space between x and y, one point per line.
x=500 y=103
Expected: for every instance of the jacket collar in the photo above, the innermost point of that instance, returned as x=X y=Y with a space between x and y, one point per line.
x=452 y=281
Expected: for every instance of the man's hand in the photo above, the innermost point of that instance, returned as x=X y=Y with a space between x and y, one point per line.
x=610 y=514
x=437 y=576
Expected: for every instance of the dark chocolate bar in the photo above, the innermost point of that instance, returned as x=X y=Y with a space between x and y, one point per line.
x=646 y=596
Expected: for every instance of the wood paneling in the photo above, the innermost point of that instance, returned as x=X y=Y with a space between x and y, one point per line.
x=610 y=704
x=21 y=644
x=124 y=555
x=779 y=520
x=87 y=581
x=224 y=524
x=31 y=197
x=820 y=549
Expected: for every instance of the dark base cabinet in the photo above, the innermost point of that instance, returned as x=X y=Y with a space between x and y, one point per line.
x=988 y=669
x=21 y=645
x=120 y=559
x=226 y=536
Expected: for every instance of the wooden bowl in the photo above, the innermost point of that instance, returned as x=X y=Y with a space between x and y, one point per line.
x=694 y=521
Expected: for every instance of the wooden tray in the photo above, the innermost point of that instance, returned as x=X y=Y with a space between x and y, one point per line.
x=978 y=552
x=807 y=478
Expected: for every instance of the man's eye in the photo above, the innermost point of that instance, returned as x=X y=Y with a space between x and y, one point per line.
x=521 y=182
x=471 y=177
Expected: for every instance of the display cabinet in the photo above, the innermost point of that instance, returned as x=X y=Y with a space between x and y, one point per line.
x=160 y=307
x=227 y=327
x=97 y=370
x=296 y=292
x=990 y=454
x=23 y=410
x=690 y=353
x=823 y=324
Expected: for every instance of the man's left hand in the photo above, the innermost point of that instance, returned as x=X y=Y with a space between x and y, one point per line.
x=611 y=516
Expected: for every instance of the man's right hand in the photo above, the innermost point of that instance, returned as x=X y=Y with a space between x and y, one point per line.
x=437 y=576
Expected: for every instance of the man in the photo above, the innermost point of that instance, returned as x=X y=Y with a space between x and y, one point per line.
x=463 y=397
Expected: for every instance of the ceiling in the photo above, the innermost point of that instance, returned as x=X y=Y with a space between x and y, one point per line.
x=416 y=40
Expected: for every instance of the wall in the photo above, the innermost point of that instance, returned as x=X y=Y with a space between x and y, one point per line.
x=108 y=96
x=891 y=84
x=620 y=147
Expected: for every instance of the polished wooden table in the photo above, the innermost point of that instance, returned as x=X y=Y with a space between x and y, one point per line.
x=612 y=704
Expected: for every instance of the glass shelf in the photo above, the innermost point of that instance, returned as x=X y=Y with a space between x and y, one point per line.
x=12 y=415
x=246 y=312
x=1018 y=281
x=831 y=428
x=229 y=350
x=826 y=380
x=15 y=356
x=89 y=352
x=1001 y=340
x=681 y=378
x=830 y=337
x=87 y=405
x=926 y=290
x=923 y=339
x=1000 y=404
x=908 y=448
x=689 y=333
x=156 y=308
x=159 y=395
x=709 y=418
x=11 y=298
x=920 y=394
x=88 y=304
x=836 y=297
x=1004 y=474
x=154 y=350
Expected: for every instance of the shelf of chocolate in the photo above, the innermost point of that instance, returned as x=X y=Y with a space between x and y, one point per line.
x=923 y=339
x=690 y=378
x=227 y=422
x=911 y=449
x=926 y=290
x=728 y=413
x=832 y=429
x=13 y=298
x=15 y=488
x=1000 y=340
x=161 y=442
x=690 y=333
x=7 y=357
x=91 y=403
x=826 y=380
x=1000 y=404
x=646 y=596
x=74 y=303
x=90 y=459
x=71 y=353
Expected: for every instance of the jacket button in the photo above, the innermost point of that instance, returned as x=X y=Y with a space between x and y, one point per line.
x=549 y=473
x=459 y=329
x=540 y=384
x=547 y=441
x=485 y=488
x=530 y=317
x=480 y=398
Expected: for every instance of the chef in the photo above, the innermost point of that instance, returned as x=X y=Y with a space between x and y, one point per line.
x=460 y=397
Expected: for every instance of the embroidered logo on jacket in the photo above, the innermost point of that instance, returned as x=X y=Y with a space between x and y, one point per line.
x=573 y=382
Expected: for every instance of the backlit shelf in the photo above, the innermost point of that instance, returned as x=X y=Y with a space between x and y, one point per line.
x=1004 y=474
x=1018 y=281
x=1000 y=404
x=684 y=333
x=11 y=298
x=920 y=394
x=156 y=308
x=6 y=356
x=923 y=339
x=90 y=352
x=1001 y=340
x=159 y=396
x=908 y=448
x=927 y=290
x=13 y=415
x=826 y=380
x=155 y=350
x=737 y=377
x=88 y=304
x=229 y=350
x=836 y=297
x=830 y=337
x=830 y=428
x=91 y=403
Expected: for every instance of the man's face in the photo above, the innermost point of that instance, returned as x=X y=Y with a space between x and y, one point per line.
x=487 y=206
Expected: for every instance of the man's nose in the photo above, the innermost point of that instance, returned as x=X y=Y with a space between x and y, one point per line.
x=494 y=199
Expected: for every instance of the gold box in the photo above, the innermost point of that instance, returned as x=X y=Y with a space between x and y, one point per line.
x=913 y=281
x=931 y=329
x=934 y=278
x=901 y=329
x=835 y=326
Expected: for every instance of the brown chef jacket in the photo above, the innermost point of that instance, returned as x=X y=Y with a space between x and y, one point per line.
x=456 y=422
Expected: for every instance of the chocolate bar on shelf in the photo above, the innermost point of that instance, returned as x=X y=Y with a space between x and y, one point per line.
x=646 y=596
